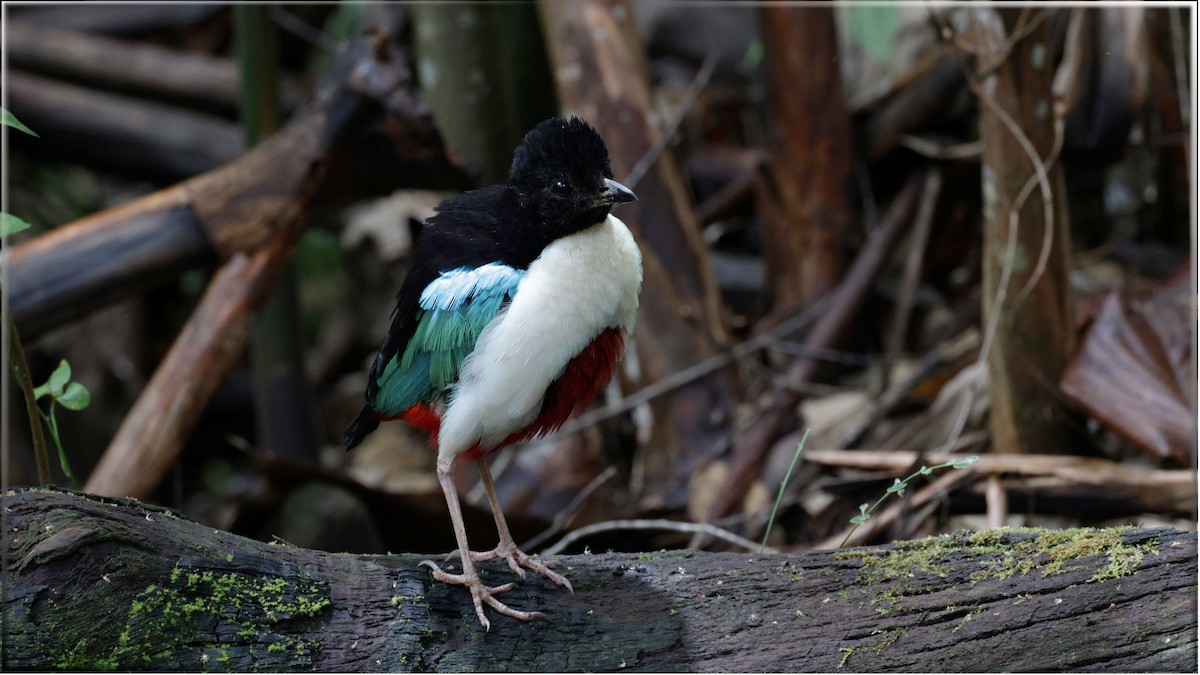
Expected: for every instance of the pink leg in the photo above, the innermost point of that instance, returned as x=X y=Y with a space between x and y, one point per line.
x=507 y=548
x=480 y=593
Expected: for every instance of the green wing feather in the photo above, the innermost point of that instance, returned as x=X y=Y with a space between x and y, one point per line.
x=454 y=310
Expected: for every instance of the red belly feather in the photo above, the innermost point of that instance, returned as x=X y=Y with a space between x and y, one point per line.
x=582 y=380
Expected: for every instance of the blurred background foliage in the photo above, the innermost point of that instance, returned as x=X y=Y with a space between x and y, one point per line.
x=769 y=134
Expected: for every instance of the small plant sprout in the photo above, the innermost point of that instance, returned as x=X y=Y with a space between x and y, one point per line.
x=897 y=488
x=783 y=486
x=70 y=395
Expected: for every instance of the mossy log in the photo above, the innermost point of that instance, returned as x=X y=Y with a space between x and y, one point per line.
x=103 y=584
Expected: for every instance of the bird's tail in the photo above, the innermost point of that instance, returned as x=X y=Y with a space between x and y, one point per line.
x=362 y=425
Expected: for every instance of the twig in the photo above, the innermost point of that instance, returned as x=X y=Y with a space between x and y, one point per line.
x=820 y=353
x=922 y=226
x=934 y=151
x=654 y=524
x=566 y=515
x=298 y=27
x=753 y=443
x=997 y=502
x=1083 y=470
x=935 y=359
x=668 y=132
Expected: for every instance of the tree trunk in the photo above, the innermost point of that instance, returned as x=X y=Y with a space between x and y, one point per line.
x=103 y=584
x=808 y=212
x=472 y=70
x=1032 y=307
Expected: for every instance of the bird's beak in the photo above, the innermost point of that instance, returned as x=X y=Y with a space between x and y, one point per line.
x=615 y=193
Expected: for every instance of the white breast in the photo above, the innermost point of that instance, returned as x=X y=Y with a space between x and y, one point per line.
x=579 y=286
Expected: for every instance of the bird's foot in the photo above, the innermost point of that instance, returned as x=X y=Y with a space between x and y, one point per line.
x=481 y=593
x=518 y=559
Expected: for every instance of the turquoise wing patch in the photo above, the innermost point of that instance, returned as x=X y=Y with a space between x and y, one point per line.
x=454 y=310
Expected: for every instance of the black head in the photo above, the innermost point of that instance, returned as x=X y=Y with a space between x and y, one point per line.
x=563 y=174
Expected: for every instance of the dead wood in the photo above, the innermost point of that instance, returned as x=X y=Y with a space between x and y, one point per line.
x=752 y=444
x=806 y=213
x=214 y=338
x=600 y=75
x=366 y=133
x=143 y=139
x=115 y=584
x=1130 y=373
x=154 y=432
x=118 y=20
x=1026 y=290
x=197 y=80
x=1164 y=491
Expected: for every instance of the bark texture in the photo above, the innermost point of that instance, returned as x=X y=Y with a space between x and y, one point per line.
x=101 y=584
x=808 y=214
x=1035 y=327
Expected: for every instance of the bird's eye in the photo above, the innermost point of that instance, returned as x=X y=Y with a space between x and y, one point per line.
x=561 y=188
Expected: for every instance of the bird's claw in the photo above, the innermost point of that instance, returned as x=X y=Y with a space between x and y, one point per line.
x=518 y=559
x=481 y=594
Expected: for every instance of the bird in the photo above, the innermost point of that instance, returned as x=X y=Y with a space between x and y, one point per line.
x=513 y=316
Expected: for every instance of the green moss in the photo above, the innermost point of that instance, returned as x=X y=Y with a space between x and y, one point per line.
x=889 y=638
x=967 y=619
x=398 y=600
x=1001 y=554
x=79 y=657
x=1005 y=553
x=190 y=611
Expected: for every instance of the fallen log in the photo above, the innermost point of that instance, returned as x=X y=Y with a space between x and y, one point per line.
x=366 y=133
x=143 y=139
x=118 y=20
x=199 y=80
x=103 y=584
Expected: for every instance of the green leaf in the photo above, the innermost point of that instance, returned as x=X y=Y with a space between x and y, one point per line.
x=10 y=120
x=76 y=397
x=925 y=471
x=59 y=378
x=859 y=520
x=10 y=224
x=41 y=391
x=898 y=486
x=964 y=463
